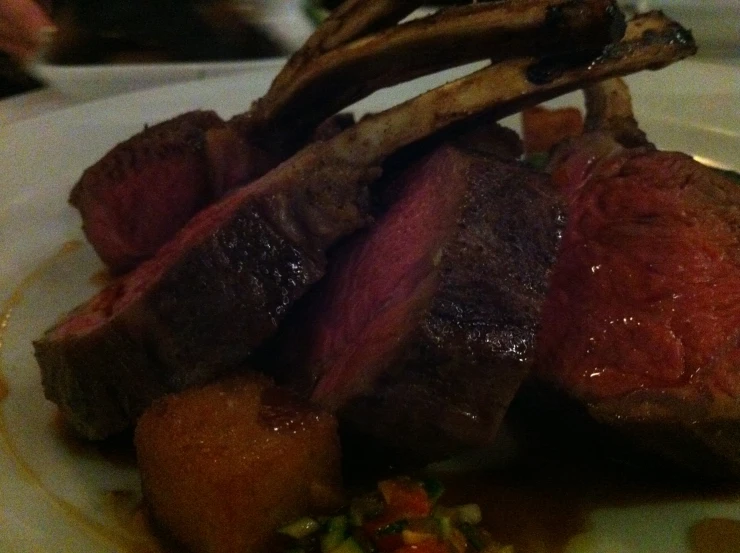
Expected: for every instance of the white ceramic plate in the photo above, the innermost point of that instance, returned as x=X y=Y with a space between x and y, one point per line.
x=90 y=82
x=715 y=23
x=55 y=496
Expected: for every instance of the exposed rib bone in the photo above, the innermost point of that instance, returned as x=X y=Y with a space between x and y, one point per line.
x=655 y=41
x=609 y=108
x=355 y=18
x=454 y=36
x=501 y=89
x=350 y=20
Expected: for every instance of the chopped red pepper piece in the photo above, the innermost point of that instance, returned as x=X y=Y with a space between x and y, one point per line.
x=405 y=498
x=382 y=533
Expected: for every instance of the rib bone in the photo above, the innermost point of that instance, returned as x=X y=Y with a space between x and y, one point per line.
x=654 y=42
x=494 y=30
x=609 y=109
x=350 y=20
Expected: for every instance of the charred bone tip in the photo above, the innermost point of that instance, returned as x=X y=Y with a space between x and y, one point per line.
x=651 y=29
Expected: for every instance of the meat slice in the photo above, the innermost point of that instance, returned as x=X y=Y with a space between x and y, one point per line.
x=201 y=305
x=642 y=321
x=425 y=325
x=146 y=188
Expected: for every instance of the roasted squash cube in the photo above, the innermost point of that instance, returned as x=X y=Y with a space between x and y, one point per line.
x=224 y=466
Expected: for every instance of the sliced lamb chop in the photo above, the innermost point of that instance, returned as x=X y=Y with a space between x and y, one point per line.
x=424 y=327
x=124 y=198
x=137 y=196
x=220 y=288
x=642 y=321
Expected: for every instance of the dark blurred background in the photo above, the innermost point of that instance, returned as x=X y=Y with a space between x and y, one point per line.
x=114 y=31
x=129 y=31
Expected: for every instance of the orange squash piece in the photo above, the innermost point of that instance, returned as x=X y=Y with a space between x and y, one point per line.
x=224 y=466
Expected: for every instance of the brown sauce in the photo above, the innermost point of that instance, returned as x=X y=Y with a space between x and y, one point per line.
x=715 y=535
x=545 y=498
x=517 y=511
x=539 y=507
x=7 y=309
x=542 y=501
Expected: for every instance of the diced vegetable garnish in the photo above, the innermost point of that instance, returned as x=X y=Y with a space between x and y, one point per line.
x=300 y=528
x=433 y=487
x=538 y=160
x=405 y=498
x=349 y=545
x=335 y=534
x=402 y=516
x=469 y=514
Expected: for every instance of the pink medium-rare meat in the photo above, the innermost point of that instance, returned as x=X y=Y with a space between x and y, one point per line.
x=206 y=300
x=372 y=304
x=642 y=321
x=424 y=327
x=650 y=259
x=146 y=188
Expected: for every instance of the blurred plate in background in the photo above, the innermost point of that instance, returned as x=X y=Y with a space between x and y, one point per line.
x=118 y=57
x=88 y=82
